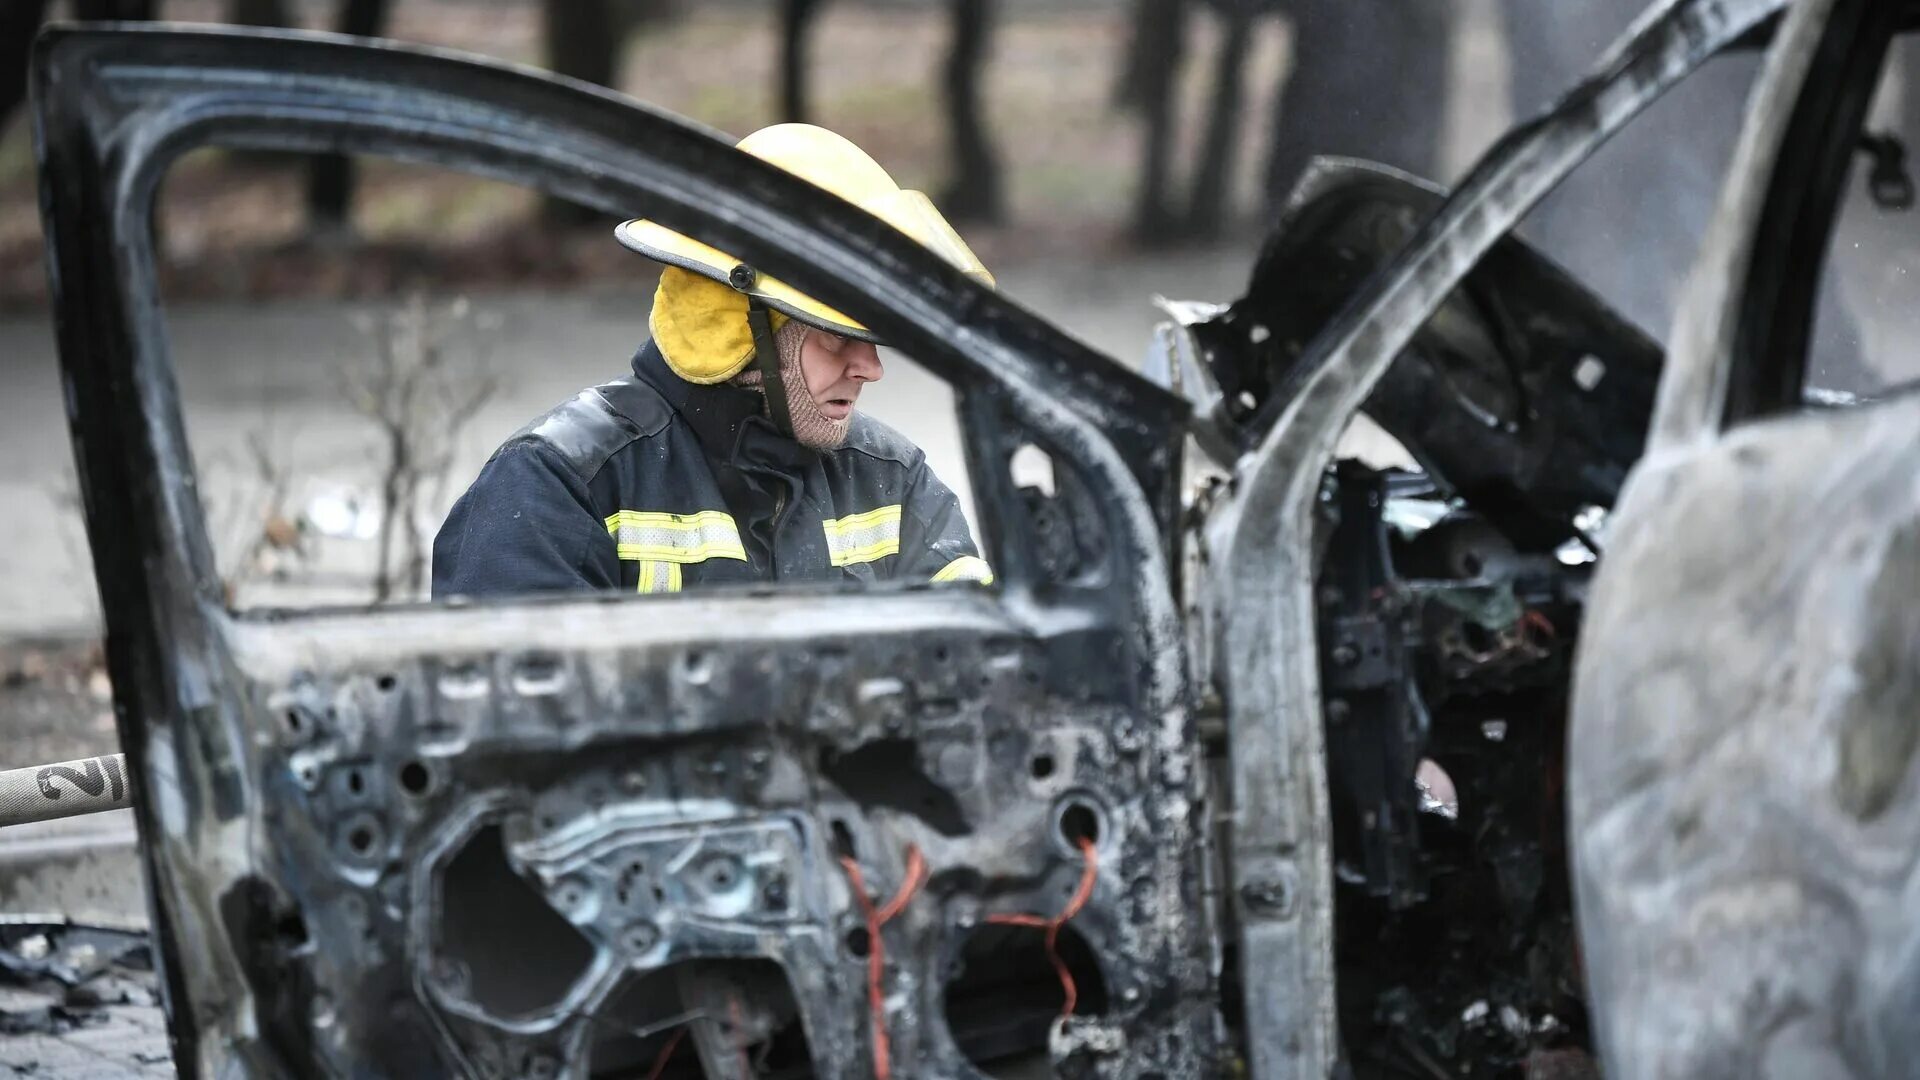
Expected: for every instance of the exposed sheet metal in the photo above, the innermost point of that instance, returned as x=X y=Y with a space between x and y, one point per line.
x=308 y=783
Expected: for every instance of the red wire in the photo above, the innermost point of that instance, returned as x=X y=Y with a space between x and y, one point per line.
x=1088 y=875
x=666 y=1055
x=876 y=952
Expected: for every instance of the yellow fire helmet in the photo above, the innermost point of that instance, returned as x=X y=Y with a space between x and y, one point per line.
x=700 y=311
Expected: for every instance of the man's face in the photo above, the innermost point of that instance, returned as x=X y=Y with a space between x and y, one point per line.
x=836 y=368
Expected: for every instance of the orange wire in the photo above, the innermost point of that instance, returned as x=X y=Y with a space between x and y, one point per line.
x=876 y=952
x=1088 y=875
x=666 y=1055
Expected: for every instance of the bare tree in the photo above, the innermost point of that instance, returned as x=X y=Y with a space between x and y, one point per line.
x=1209 y=206
x=1160 y=41
x=330 y=183
x=1368 y=79
x=583 y=41
x=973 y=191
x=18 y=21
x=797 y=20
x=258 y=13
x=419 y=397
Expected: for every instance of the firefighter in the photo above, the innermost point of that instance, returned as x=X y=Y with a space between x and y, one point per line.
x=736 y=451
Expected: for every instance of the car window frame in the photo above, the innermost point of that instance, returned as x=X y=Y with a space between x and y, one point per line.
x=115 y=106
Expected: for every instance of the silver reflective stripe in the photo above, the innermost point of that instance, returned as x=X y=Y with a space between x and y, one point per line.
x=659 y=577
x=649 y=536
x=863 y=538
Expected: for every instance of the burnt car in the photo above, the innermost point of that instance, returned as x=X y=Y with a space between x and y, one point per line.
x=1145 y=808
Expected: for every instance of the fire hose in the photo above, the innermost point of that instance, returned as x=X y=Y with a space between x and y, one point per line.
x=65 y=789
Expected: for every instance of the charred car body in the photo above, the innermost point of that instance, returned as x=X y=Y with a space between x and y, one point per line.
x=555 y=838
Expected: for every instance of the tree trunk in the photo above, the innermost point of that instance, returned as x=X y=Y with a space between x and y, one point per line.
x=973 y=193
x=1211 y=201
x=264 y=14
x=1129 y=89
x=1369 y=80
x=582 y=42
x=258 y=13
x=18 y=21
x=112 y=10
x=1629 y=223
x=1162 y=31
x=330 y=184
x=796 y=32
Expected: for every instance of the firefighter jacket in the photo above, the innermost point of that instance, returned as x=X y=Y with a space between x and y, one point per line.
x=654 y=484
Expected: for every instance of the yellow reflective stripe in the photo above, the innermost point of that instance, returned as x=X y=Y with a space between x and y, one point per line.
x=650 y=536
x=863 y=538
x=868 y=520
x=659 y=577
x=966 y=568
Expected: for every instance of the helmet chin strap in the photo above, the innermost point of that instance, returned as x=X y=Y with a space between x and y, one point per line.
x=766 y=354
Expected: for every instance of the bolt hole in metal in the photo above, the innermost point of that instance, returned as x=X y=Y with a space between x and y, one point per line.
x=859 y=942
x=356 y=782
x=1077 y=818
x=723 y=874
x=1042 y=766
x=360 y=840
x=387 y=681
x=538 y=676
x=843 y=845
x=415 y=779
x=697 y=666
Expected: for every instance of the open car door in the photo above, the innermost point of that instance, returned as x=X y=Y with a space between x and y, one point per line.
x=1744 y=782
x=488 y=840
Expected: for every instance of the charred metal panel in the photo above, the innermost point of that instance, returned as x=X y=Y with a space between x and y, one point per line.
x=329 y=802
x=1263 y=590
x=1523 y=393
x=1743 y=782
x=670 y=796
x=1742 y=789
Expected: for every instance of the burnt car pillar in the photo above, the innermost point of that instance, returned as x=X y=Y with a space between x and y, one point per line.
x=1744 y=807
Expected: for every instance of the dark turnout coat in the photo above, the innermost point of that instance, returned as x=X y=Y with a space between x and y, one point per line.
x=653 y=484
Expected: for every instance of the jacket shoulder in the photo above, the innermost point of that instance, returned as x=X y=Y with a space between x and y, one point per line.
x=597 y=423
x=875 y=439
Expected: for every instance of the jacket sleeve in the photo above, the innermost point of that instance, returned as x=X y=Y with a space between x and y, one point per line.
x=935 y=543
x=526 y=525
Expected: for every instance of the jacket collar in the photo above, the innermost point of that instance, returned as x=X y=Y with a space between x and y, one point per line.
x=730 y=421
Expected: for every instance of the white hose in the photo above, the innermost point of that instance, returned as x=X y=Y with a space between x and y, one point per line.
x=66 y=789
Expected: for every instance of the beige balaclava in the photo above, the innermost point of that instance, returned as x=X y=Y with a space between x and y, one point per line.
x=811 y=427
